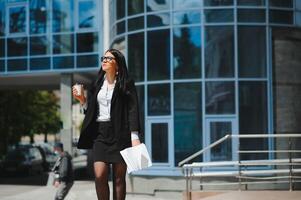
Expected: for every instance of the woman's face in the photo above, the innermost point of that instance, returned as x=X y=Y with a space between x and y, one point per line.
x=109 y=64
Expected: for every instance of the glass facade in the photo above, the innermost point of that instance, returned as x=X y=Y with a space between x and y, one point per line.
x=49 y=35
x=202 y=67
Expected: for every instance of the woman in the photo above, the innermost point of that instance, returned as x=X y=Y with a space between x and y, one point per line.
x=111 y=122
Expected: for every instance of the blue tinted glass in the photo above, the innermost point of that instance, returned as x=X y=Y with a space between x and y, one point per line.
x=251 y=2
x=63 y=44
x=156 y=5
x=87 y=61
x=17 y=19
x=135 y=23
x=186 y=17
x=187 y=52
x=2 y=65
x=87 y=42
x=120 y=7
x=218 y=2
x=135 y=7
x=158 y=99
x=181 y=4
x=86 y=14
x=40 y=63
x=220 y=15
x=39 y=45
x=2 y=48
x=63 y=62
x=63 y=19
x=136 y=56
x=160 y=19
x=38 y=16
x=251 y=15
x=17 y=46
x=17 y=65
x=121 y=27
x=281 y=17
x=2 y=18
x=282 y=3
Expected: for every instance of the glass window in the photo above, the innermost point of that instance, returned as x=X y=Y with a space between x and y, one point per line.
x=219 y=51
x=87 y=61
x=38 y=16
x=2 y=65
x=40 y=63
x=136 y=56
x=120 y=7
x=298 y=5
x=112 y=12
x=87 y=42
x=298 y=18
x=156 y=5
x=220 y=15
x=158 y=99
x=251 y=2
x=136 y=23
x=15 y=1
x=220 y=97
x=218 y=2
x=39 y=45
x=2 y=18
x=140 y=94
x=253 y=116
x=281 y=3
x=158 y=54
x=2 y=48
x=160 y=19
x=63 y=44
x=17 y=19
x=281 y=17
x=119 y=44
x=187 y=120
x=17 y=46
x=63 y=62
x=187 y=52
x=63 y=19
x=86 y=14
x=159 y=133
x=17 y=65
x=186 y=17
x=251 y=15
x=135 y=7
x=182 y=4
x=251 y=51
x=121 y=27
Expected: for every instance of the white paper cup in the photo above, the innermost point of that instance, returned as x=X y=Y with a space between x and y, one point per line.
x=78 y=88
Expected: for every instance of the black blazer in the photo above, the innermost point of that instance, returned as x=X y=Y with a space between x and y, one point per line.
x=124 y=115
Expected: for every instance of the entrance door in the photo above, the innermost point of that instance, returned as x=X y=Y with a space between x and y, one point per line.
x=216 y=128
x=158 y=140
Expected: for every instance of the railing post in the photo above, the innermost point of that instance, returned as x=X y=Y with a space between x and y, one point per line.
x=186 y=171
x=239 y=166
x=290 y=164
x=190 y=183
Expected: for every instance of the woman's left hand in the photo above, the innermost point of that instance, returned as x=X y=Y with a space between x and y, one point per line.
x=135 y=142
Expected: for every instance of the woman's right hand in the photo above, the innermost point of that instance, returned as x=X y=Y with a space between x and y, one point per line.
x=79 y=96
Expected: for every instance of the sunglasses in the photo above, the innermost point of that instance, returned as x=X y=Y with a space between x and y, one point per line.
x=106 y=58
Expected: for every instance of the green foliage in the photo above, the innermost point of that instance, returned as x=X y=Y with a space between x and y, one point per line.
x=25 y=113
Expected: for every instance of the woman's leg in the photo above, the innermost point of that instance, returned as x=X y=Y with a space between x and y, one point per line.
x=101 y=171
x=119 y=185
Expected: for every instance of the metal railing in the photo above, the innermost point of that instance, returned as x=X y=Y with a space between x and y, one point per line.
x=240 y=171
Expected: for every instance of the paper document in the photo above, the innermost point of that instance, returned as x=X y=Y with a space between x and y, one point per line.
x=136 y=158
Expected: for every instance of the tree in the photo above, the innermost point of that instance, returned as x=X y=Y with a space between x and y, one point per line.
x=25 y=113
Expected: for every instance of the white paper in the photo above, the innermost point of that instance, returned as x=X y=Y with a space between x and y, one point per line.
x=136 y=158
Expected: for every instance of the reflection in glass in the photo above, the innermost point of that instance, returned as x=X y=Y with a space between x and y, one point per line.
x=39 y=45
x=17 y=19
x=2 y=65
x=14 y=1
x=87 y=42
x=158 y=99
x=2 y=48
x=251 y=15
x=112 y=12
x=86 y=14
x=63 y=62
x=140 y=94
x=136 y=56
x=220 y=15
x=281 y=17
x=253 y=116
x=121 y=27
x=218 y=2
x=186 y=17
x=251 y=2
x=281 y=3
x=40 y=63
x=2 y=18
x=159 y=132
x=38 y=16
x=119 y=44
x=17 y=46
x=87 y=61
x=223 y=151
x=136 y=23
x=63 y=19
x=17 y=65
x=63 y=44
x=187 y=52
x=219 y=51
x=160 y=19
x=187 y=120
x=252 y=51
x=135 y=7
x=158 y=54
x=156 y=5
x=120 y=7
x=220 y=97
x=181 y=4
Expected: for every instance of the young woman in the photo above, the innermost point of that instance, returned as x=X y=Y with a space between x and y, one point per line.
x=111 y=122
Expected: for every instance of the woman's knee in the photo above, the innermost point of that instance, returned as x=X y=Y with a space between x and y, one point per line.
x=101 y=172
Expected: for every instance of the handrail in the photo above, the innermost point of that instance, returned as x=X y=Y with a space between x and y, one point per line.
x=189 y=158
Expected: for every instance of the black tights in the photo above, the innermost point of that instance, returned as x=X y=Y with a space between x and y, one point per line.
x=101 y=170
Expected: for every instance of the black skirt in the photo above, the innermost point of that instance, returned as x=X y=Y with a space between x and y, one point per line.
x=105 y=146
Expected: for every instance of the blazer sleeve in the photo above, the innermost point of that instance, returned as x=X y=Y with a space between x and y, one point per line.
x=90 y=91
x=133 y=107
